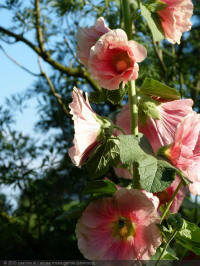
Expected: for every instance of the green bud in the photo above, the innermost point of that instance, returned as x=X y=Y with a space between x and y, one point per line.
x=147 y=108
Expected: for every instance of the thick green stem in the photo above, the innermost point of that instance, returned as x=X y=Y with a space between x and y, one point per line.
x=171 y=201
x=133 y=107
x=127 y=19
x=131 y=85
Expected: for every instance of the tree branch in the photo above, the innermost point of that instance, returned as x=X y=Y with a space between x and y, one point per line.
x=53 y=89
x=18 y=64
x=38 y=26
x=76 y=72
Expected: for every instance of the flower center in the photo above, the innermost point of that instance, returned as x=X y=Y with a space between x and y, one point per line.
x=121 y=61
x=121 y=65
x=123 y=228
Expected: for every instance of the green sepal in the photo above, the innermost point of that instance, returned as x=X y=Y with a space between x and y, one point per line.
x=103 y=157
x=156 y=5
x=107 y=127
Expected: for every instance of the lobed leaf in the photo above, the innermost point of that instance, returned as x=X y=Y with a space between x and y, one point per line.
x=155 y=174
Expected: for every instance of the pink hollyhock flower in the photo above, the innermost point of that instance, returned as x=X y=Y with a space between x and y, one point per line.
x=175 y=18
x=159 y=132
x=113 y=59
x=87 y=37
x=87 y=127
x=184 y=152
x=122 y=227
x=165 y=196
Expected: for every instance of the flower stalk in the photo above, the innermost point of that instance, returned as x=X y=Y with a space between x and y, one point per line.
x=131 y=85
x=171 y=201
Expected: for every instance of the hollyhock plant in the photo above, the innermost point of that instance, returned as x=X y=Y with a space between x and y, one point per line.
x=113 y=59
x=122 y=227
x=175 y=18
x=87 y=37
x=184 y=152
x=160 y=131
x=88 y=128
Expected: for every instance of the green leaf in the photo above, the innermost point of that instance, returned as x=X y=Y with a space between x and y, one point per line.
x=105 y=155
x=113 y=96
x=116 y=96
x=158 y=181
x=100 y=187
x=97 y=97
x=153 y=23
x=155 y=175
x=153 y=87
x=169 y=254
x=189 y=237
x=74 y=212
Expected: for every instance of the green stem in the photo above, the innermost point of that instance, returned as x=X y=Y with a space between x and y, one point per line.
x=166 y=245
x=171 y=201
x=131 y=90
x=126 y=17
x=133 y=107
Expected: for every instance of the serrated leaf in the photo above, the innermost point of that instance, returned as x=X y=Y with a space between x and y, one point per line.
x=97 y=97
x=163 y=177
x=116 y=96
x=113 y=96
x=100 y=187
x=155 y=175
x=155 y=88
x=105 y=155
x=153 y=23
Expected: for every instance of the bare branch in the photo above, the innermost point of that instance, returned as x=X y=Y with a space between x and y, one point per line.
x=38 y=26
x=76 y=72
x=53 y=89
x=18 y=64
x=71 y=50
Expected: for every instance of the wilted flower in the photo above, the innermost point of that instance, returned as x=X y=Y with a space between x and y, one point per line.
x=88 y=128
x=122 y=227
x=184 y=152
x=113 y=59
x=175 y=18
x=87 y=37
